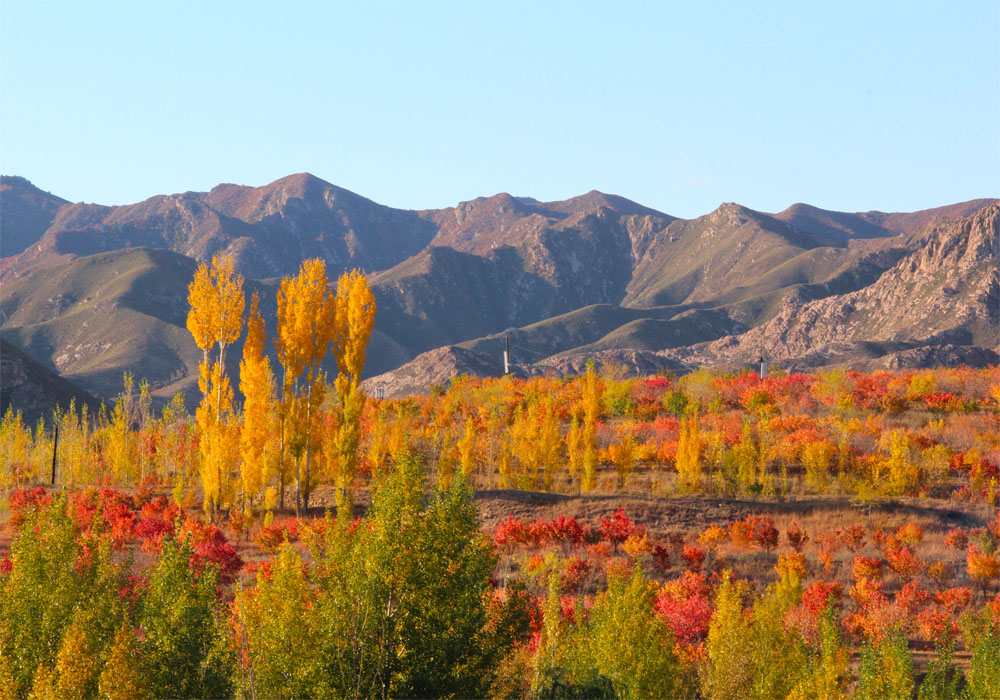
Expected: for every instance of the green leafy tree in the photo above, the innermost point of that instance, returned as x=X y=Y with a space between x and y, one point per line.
x=943 y=681
x=886 y=671
x=729 y=672
x=55 y=581
x=395 y=606
x=182 y=648
x=631 y=645
x=780 y=659
x=984 y=667
x=827 y=670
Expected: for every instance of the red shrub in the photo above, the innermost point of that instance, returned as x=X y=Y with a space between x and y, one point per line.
x=661 y=558
x=694 y=557
x=574 y=574
x=270 y=537
x=904 y=562
x=687 y=618
x=566 y=530
x=539 y=533
x=867 y=567
x=24 y=501
x=618 y=527
x=797 y=537
x=853 y=537
x=754 y=530
x=818 y=594
x=957 y=539
x=211 y=547
x=509 y=533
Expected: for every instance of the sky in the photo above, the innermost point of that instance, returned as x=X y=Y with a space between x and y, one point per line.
x=677 y=105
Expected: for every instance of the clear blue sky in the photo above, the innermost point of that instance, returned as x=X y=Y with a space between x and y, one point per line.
x=678 y=105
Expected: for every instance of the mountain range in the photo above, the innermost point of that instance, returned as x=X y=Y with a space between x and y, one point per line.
x=90 y=291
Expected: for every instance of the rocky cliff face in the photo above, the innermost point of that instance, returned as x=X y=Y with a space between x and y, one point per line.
x=944 y=291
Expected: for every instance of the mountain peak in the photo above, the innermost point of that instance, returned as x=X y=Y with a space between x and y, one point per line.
x=297 y=182
x=27 y=212
x=595 y=199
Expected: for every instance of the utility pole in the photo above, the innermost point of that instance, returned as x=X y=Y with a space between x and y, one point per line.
x=506 y=356
x=55 y=445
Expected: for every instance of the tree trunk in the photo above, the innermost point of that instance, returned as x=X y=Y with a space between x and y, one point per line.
x=305 y=498
x=281 y=440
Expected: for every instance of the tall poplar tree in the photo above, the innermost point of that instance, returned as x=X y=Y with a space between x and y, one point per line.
x=215 y=319
x=307 y=323
x=591 y=412
x=355 y=322
x=257 y=385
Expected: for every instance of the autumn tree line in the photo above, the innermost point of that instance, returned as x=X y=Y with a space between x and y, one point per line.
x=297 y=426
x=870 y=436
x=312 y=322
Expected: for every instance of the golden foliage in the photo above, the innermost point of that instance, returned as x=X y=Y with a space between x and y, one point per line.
x=259 y=414
x=122 y=677
x=216 y=298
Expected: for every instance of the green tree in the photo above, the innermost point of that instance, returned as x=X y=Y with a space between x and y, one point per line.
x=729 y=672
x=827 y=669
x=183 y=629
x=395 y=606
x=984 y=667
x=631 y=645
x=943 y=681
x=55 y=581
x=886 y=671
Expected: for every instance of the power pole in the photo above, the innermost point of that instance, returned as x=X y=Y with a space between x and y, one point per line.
x=55 y=445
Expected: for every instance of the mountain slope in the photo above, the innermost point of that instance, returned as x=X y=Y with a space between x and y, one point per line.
x=944 y=292
x=34 y=390
x=268 y=230
x=25 y=214
x=104 y=289
x=98 y=316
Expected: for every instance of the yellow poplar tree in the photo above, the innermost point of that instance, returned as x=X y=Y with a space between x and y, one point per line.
x=689 y=455
x=467 y=447
x=355 y=322
x=549 y=443
x=257 y=385
x=122 y=677
x=591 y=412
x=74 y=664
x=574 y=444
x=15 y=446
x=121 y=448
x=307 y=323
x=215 y=319
x=216 y=298
x=219 y=443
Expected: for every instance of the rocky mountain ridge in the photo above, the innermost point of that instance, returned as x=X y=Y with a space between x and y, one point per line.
x=592 y=276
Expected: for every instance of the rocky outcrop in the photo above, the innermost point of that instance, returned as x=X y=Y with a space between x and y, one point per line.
x=434 y=368
x=946 y=290
x=35 y=391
